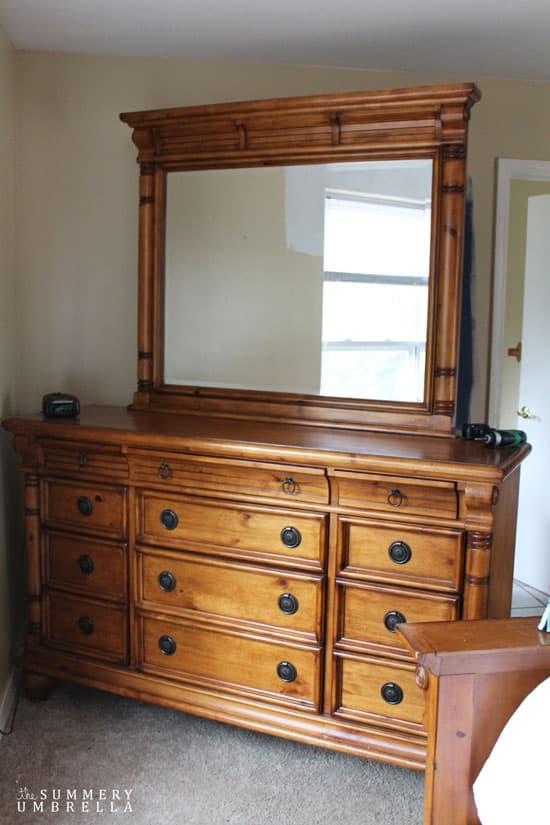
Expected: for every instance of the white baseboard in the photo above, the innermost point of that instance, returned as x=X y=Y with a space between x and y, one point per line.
x=8 y=700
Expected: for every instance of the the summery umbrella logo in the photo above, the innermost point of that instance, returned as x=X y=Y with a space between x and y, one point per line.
x=74 y=800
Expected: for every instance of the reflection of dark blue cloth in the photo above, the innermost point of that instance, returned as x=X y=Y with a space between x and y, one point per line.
x=465 y=361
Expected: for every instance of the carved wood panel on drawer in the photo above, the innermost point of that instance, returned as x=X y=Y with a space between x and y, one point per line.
x=86 y=506
x=227 y=661
x=282 y=536
x=200 y=475
x=368 y=615
x=397 y=495
x=412 y=555
x=283 y=602
x=378 y=691
x=90 y=566
x=86 y=627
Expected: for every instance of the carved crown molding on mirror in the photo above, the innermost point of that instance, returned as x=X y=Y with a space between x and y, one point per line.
x=188 y=366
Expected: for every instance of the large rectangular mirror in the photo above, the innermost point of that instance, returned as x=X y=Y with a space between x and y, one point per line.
x=306 y=279
x=300 y=259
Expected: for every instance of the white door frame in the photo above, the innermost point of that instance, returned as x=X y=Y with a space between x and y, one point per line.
x=507 y=170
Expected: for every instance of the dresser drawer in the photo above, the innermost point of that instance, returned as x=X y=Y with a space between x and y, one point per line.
x=86 y=627
x=89 y=566
x=397 y=495
x=429 y=558
x=231 y=479
x=234 y=529
x=83 y=460
x=89 y=507
x=368 y=615
x=377 y=691
x=224 y=592
x=225 y=661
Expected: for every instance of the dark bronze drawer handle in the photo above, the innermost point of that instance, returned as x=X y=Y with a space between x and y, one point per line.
x=393 y=618
x=395 y=498
x=290 y=537
x=167 y=581
x=167 y=645
x=82 y=459
x=164 y=471
x=86 y=625
x=169 y=519
x=391 y=693
x=399 y=552
x=84 y=506
x=86 y=564
x=286 y=672
x=288 y=603
x=289 y=486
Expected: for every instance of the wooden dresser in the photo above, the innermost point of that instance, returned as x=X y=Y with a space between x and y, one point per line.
x=255 y=573
x=244 y=540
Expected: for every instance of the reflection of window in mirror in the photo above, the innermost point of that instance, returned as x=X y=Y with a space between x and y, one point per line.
x=375 y=296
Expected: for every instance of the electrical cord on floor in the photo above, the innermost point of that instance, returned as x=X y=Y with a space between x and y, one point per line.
x=14 y=712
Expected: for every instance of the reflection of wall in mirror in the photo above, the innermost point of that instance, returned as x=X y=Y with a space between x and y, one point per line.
x=242 y=308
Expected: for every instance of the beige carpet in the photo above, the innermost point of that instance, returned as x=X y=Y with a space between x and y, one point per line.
x=167 y=768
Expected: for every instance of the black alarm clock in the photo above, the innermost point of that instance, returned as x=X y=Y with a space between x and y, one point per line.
x=60 y=405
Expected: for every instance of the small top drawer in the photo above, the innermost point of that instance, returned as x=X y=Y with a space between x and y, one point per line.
x=421 y=497
x=231 y=479
x=95 y=508
x=82 y=460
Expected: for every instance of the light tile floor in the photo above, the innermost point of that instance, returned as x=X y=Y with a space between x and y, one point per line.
x=527 y=600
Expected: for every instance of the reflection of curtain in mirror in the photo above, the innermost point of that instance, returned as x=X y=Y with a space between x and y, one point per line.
x=465 y=365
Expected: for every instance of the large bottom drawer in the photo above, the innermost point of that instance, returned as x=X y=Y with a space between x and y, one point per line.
x=227 y=661
x=379 y=692
x=87 y=627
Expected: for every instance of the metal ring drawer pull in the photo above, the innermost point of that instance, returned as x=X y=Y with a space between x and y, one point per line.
x=391 y=693
x=288 y=603
x=167 y=581
x=289 y=486
x=84 y=506
x=290 y=536
x=167 y=645
x=82 y=459
x=169 y=519
x=393 y=618
x=164 y=471
x=399 y=552
x=86 y=564
x=395 y=498
x=86 y=625
x=286 y=672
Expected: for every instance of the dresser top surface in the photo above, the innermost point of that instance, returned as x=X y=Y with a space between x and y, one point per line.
x=338 y=447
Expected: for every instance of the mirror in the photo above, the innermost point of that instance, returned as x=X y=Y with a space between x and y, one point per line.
x=290 y=278
x=300 y=258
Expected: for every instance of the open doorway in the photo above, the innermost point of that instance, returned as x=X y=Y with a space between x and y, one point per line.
x=521 y=186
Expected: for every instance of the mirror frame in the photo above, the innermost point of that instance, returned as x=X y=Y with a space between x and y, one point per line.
x=424 y=122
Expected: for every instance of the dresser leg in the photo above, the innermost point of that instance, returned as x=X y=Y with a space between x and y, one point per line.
x=37 y=687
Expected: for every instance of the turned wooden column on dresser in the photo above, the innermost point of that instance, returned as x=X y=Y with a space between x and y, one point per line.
x=287 y=486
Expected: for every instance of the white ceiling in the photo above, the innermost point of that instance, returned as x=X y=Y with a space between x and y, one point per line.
x=499 y=38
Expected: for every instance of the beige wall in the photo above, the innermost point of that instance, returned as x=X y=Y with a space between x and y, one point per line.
x=9 y=518
x=77 y=195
